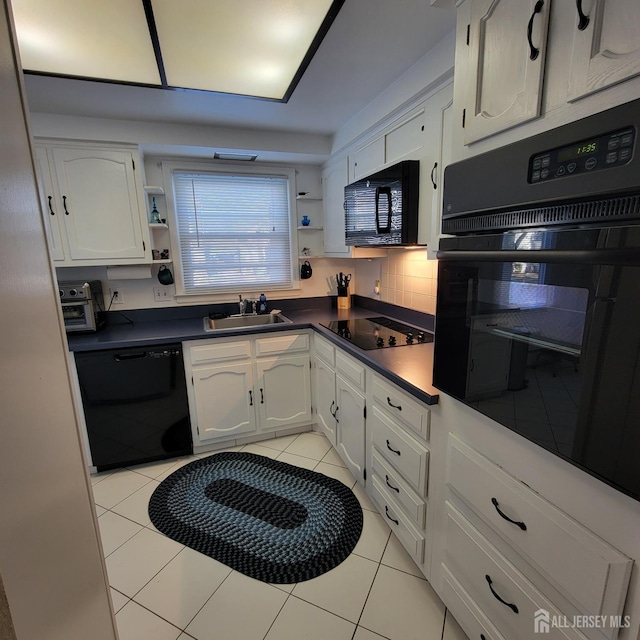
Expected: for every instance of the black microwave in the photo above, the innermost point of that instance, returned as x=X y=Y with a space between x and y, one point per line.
x=382 y=209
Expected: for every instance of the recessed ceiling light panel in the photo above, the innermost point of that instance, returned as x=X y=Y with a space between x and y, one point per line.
x=86 y=38
x=247 y=47
x=256 y=48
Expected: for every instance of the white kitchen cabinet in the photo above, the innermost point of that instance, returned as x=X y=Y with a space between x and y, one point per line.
x=350 y=429
x=607 y=50
x=243 y=386
x=398 y=431
x=505 y=72
x=502 y=96
x=367 y=159
x=325 y=398
x=548 y=536
x=96 y=196
x=224 y=402
x=335 y=178
x=53 y=223
x=283 y=391
x=340 y=403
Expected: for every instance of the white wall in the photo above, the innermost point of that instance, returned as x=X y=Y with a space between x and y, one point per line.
x=50 y=554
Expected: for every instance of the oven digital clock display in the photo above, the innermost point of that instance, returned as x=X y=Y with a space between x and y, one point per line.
x=577 y=151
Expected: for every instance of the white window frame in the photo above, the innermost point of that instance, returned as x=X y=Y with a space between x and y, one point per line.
x=171 y=167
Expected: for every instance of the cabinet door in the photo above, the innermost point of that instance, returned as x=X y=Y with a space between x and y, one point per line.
x=607 y=51
x=334 y=179
x=350 y=427
x=405 y=141
x=325 y=400
x=51 y=210
x=505 y=73
x=283 y=391
x=97 y=192
x=225 y=402
x=368 y=159
x=445 y=118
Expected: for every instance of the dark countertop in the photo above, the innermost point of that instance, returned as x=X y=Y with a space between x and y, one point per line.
x=410 y=367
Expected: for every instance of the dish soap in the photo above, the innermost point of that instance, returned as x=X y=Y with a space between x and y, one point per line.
x=262 y=304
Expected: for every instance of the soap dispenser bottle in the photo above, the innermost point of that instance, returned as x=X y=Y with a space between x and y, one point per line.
x=262 y=304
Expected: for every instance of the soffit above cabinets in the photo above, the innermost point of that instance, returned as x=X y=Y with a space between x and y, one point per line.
x=256 y=48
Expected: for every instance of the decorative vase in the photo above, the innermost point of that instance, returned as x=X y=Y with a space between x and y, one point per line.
x=305 y=221
x=155 y=214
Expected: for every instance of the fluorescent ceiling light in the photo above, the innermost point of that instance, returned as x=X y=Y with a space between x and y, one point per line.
x=248 y=47
x=245 y=157
x=86 y=38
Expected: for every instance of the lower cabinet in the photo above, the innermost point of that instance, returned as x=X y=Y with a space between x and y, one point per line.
x=340 y=404
x=398 y=431
x=254 y=385
x=223 y=398
x=509 y=561
x=350 y=428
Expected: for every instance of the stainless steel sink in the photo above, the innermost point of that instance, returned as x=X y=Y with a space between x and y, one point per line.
x=240 y=322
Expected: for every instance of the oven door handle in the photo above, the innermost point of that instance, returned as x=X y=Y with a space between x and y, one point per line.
x=617 y=257
x=77 y=303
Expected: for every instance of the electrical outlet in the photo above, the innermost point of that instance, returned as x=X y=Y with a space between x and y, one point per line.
x=163 y=293
x=115 y=296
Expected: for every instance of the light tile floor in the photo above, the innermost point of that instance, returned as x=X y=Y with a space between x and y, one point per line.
x=162 y=590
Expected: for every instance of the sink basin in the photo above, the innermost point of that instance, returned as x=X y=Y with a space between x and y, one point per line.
x=241 y=322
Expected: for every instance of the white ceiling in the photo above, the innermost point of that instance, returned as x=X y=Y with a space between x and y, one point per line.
x=370 y=44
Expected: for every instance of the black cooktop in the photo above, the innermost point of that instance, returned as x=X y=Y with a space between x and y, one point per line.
x=378 y=333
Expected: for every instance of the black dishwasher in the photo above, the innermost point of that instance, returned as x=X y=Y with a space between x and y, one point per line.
x=135 y=404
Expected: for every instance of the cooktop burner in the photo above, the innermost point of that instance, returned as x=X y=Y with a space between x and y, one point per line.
x=377 y=333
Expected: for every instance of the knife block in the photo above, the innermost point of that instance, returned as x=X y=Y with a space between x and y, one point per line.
x=344 y=302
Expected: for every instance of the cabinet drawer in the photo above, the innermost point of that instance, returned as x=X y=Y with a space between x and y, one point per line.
x=509 y=600
x=411 y=502
x=350 y=369
x=402 y=451
x=401 y=406
x=325 y=350
x=219 y=351
x=280 y=344
x=588 y=571
x=412 y=540
x=468 y=614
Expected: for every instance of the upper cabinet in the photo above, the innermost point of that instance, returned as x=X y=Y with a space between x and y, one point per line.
x=93 y=205
x=417 y=134
x=335 y=178
x=540 y=62
x=606 y=46
x=507 y=44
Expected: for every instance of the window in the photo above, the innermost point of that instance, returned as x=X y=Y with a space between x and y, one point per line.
x=233 y=231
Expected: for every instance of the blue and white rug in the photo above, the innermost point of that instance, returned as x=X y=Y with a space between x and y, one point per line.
x=264 y=518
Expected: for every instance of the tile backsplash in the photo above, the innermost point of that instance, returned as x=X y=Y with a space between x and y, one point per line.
x=409 y=279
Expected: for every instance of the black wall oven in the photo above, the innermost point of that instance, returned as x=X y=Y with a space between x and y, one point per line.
x=538 y=326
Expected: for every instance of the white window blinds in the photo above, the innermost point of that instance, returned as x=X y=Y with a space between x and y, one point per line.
x=234 y=231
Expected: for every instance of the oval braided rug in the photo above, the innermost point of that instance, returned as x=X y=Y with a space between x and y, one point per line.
x=264 y=518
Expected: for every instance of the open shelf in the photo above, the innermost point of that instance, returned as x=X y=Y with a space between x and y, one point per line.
x=308 y=197
x=150 y=190
x=309 y=228
x=158 y=225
